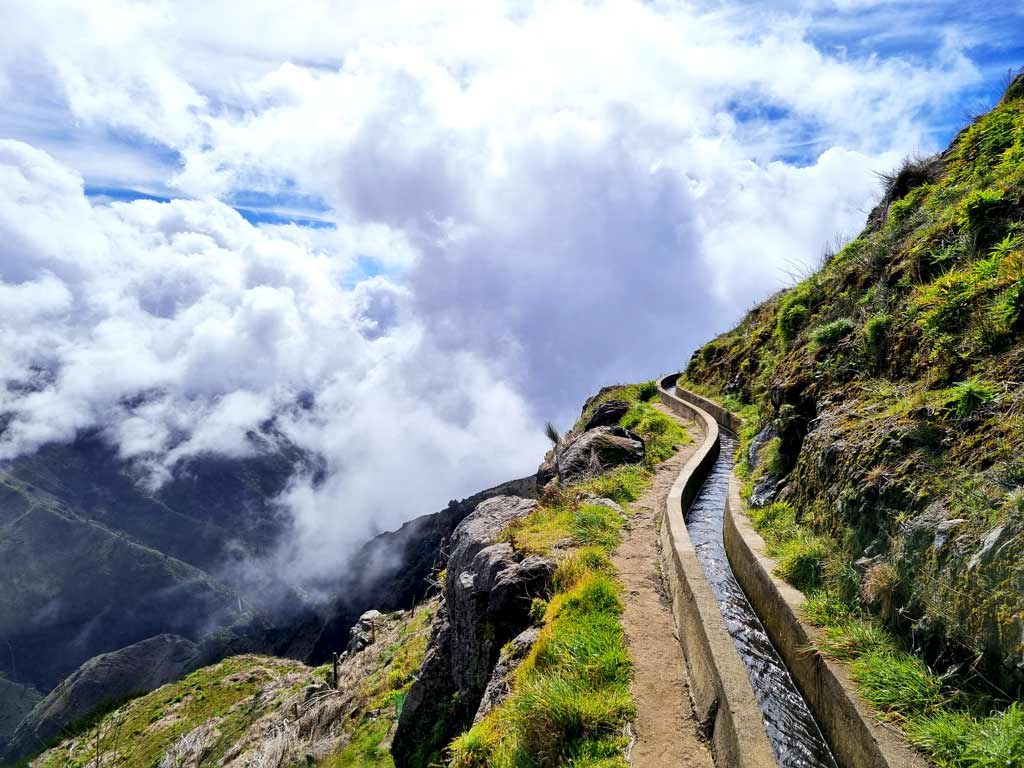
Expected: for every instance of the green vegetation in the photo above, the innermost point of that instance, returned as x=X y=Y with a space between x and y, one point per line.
x=830 y=334
x=381 y=695
x=139 y=733
x=892 y=381
x=570 y=697
x=242 y=706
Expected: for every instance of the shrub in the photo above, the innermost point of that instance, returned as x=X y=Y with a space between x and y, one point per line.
x=648 y=390
x=965 y=398
x=876 y=329
x=792 y=318
x=828 y=335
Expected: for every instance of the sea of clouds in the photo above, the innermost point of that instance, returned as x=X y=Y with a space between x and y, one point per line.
x=528 y=200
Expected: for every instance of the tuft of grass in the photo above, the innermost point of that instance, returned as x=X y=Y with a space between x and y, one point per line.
x=825 y=608
x=648 y=390
x=851 y=638
x=792 y=318
x=897 y=683
x=801 y=561
x=623 y=484
x=577 y=564
x=828 y=335
x=551 y=432
x=595 y=525
x=945 y=736
x=661 y=433
x=537 y=533
x=876 y=329
x=965 y=398
x=570 y=697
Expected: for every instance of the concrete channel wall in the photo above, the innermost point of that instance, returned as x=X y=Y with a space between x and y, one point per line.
x=723 y=698
x=857 y=739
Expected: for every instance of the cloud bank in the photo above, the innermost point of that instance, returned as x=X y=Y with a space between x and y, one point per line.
x=530 y=200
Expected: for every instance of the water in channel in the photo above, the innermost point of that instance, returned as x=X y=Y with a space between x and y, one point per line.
x=792 y=730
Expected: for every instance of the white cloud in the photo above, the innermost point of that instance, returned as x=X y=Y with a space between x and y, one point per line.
x=549 y=196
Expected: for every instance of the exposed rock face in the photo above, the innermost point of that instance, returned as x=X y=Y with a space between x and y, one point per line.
x=499 y=686
x=16 y=701
x=599 y=450
x=992 y=545
x=761 y=439
x=103 y=681
x=488 y=590
x=390 y=572
x=607 y=414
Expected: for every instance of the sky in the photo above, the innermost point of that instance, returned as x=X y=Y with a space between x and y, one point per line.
x=440 y=223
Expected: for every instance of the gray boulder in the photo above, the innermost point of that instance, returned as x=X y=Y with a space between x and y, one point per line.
x=103 y=681
x=362 y=633
x=599 y=450
x=607 y=414
x=765 y=491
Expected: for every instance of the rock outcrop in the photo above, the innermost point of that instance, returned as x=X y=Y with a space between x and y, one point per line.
x=391 y=571
x=607 y=414
x=100 y=683
x=16 y=701
x=598 y=450
x=488 y=592
x=500 y=684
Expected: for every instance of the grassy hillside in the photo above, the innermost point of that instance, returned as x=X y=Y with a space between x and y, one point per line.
x=888 y=386
x=258 y=710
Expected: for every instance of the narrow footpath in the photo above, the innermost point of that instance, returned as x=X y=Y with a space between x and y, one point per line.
x=665 y=729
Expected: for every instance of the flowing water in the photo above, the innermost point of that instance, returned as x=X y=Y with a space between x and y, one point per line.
x=792 y=730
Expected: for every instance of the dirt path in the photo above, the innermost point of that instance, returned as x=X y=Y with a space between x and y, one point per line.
x=665 y=729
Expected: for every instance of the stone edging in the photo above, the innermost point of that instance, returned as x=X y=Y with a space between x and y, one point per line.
x=723 y=698
x=857 y=739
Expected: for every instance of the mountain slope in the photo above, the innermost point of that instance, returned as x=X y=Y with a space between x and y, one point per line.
x=887 y=390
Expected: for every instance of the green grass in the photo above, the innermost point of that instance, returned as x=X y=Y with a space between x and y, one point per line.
x=965 y=398
x=850 y=638
x=828 y=335
x=138 y=734
x=570 y=696
x=662 y=435
x=897 y=683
